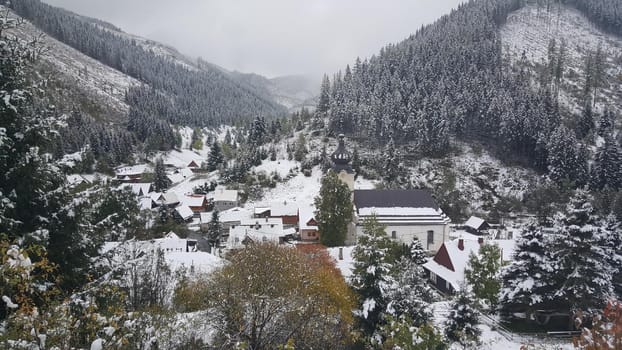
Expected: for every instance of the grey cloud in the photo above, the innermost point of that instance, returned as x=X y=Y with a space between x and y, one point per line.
x=269 y=37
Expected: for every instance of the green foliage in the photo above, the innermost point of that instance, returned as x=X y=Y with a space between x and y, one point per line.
x=462 y=321
x=161 y=182
x=401 y=334
x=372 y=273
x=333 y=210
x=482 y=273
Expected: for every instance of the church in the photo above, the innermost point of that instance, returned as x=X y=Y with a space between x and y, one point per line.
x=405 y=213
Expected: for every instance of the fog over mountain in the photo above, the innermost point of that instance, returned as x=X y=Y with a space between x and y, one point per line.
x=272 y=38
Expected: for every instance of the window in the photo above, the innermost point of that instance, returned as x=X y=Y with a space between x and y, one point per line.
x=432 y=277
x=430 y=237
x=394 y=234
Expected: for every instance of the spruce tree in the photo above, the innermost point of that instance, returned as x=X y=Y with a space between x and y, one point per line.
x=391 y=166
x=215 y=157
x=417 y=253
x=161 y=182
x=582 y=254
x=410 y=296
x=333 y=210
x=371 y=274
x=563 y=159
x=214 y=230
x=527 y=283
x=607 y=167
x=462 y=322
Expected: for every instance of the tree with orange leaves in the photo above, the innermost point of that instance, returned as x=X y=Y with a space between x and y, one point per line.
x=606 y=330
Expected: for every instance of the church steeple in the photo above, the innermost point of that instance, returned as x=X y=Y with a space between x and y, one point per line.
x=341 y=157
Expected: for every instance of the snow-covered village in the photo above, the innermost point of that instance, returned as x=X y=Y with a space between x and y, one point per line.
x=203 y=180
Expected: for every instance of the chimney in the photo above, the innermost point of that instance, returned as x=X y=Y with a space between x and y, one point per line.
x=340 y=253
x=480 y=240
x=461 y=244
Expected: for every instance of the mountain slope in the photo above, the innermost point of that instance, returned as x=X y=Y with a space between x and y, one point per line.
x=532 y=29
x=79 y=80
x=202 y=97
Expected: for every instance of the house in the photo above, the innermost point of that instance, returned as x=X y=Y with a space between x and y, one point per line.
x=197 y=203
x=138 y=188
x=172 y=243
x=147 y=203
x=185 y=172
x=183 y=213
x=130 y=174
x=476 y=225
x=225 y=199
x=405 y=213
x=227 y=218
x=288 y=212
x=193 y=165
x=265 y=230
x=261 y=212
x=76 y=180
x=169 y=199
x=309 y=230
x=446 y=269
x=175 y=178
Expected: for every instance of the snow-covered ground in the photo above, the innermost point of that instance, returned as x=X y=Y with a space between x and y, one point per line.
x=493 y=339
x=531 y=29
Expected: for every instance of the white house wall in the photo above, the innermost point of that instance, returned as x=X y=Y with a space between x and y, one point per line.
x=405 y=233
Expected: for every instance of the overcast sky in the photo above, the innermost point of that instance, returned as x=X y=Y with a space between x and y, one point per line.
x=269 y=37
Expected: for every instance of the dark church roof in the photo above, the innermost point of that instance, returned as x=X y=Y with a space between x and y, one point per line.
x=341 y=157
x=394 y=199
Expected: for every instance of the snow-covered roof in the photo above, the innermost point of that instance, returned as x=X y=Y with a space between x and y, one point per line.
x=139 y=189
x=168 y=198
x=76 y=179
x=474 y=222
x=260 y=231
x=199 y=261
x=131 y=170
x=181 y=159
x=260 y=210
x=304 y=224
x=398 y=211
x=460 y=258
x=222 y=195
x=192 y=201
x=184 y=212
x=175 y=178
x=284 y=209
x=186 y=172
x=145 y=203
x=236 y=214
x=404 y=215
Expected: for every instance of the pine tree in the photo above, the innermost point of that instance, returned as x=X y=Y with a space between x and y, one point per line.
x=391 y=163
x=528 y=280
x=417 y=253
x=563 y=159
x=607 y=167
x=371 y=274
x=215 y=157
x=214 y=230
x=410 y=296
x=482 y=273
x=161 y=182
x=462 y=322
x=333 y=210
x=582 y=257
x=325 y=162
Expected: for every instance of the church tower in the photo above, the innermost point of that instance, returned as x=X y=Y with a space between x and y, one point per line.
x=341 y=163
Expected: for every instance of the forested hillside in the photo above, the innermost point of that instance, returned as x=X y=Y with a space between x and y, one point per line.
x=451 y=81
x=198 y=97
